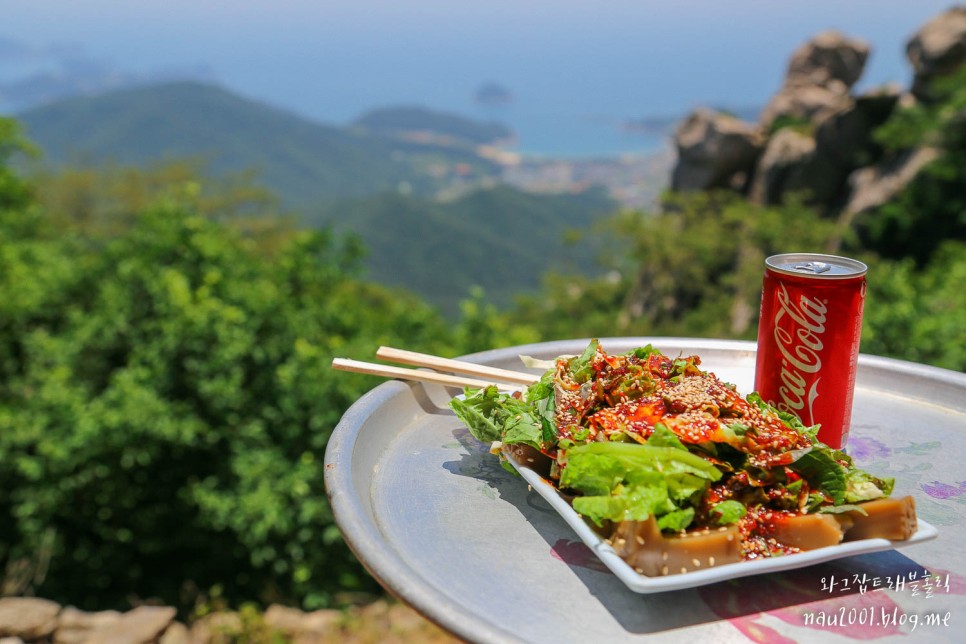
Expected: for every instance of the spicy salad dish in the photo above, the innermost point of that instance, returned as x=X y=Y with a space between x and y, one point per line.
x=677 y=471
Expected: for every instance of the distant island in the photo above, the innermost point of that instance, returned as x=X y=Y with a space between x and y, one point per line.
x=493 y=94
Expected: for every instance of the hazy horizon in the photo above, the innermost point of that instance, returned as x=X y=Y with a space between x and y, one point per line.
x=576 y=71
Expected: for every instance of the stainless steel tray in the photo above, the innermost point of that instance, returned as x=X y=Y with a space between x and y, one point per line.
x=435 y=518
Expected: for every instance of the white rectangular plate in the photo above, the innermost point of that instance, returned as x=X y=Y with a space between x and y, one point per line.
x=644 y=584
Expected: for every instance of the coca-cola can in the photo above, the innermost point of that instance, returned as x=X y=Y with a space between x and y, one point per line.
x=808 y=339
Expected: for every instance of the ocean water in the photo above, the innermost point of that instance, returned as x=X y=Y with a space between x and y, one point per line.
x=550 y=132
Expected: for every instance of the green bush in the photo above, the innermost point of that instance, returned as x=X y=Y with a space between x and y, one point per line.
x=932 y=208
x=165 y=402
x=919 y=314
x=692 y=269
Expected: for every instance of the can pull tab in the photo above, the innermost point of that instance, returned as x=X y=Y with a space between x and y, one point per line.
x=813 y=267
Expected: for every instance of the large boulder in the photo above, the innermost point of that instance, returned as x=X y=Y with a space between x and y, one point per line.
x=820 y=74
x=938 y=49
x=784 y=167
x=28 y=618
x=830 y=60
x=74 y=626
x=844 y=141
x=140 y=625
x=715 y=150
x=803 y=104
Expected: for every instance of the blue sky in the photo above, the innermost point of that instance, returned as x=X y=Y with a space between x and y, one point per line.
x=333 y=60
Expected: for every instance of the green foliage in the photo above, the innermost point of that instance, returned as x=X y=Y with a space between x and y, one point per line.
x=165 y=400
x=693 y=269
x=501 y=240
x=105 y=201
x=800 y=124
x=481 y=326
x=14 y=193
x=933 y=207
x=919 y=314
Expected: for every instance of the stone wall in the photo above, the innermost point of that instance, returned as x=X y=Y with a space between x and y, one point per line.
x=26 y=620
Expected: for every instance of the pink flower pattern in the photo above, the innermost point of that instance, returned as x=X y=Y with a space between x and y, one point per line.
x=943 y=491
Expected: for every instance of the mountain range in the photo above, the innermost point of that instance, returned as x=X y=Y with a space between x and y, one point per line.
x=305 y=162
x=373 y=179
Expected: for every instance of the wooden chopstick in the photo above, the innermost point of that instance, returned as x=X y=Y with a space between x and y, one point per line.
x=455 y=366
x=386 y=371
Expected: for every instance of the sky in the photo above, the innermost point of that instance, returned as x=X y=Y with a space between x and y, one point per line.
x=563 y=60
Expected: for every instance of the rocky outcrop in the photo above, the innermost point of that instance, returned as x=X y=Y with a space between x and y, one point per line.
x=28 y=618
x=938 y=49
x=715 y=150
x=875 y=185
x=141 y=625
x=74 y=626
x=805 y=104
x=830 y=60
x=819 y=77
x=816 y=138
x=784 y=167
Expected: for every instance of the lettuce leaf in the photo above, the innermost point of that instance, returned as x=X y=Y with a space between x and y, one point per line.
x=627 y=502
x=833 y=473
x=634 y=456
x=664 y=437
x=580 y=367
x=823 y=472
x=630 y=481
x=540 y=396
x=789 y=419
x=676 y=520
x=494 y=416
x=728 y=512
x=862 y=486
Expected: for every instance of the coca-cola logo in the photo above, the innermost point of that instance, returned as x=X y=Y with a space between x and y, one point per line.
x=800 y=346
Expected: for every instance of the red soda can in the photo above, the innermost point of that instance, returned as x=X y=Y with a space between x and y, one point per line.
x=808 y=339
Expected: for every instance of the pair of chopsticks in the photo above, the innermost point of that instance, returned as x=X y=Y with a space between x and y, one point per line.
x=443 y=370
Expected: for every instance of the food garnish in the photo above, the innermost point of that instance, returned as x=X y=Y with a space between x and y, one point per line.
x=676 y=469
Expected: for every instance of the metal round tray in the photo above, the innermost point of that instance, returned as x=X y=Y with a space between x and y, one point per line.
x=437 y=520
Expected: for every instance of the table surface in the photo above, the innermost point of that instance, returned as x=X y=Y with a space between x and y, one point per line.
x=444 y=527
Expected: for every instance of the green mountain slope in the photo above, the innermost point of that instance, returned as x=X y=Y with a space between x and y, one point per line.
x=501 y=239
x=302 y=161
